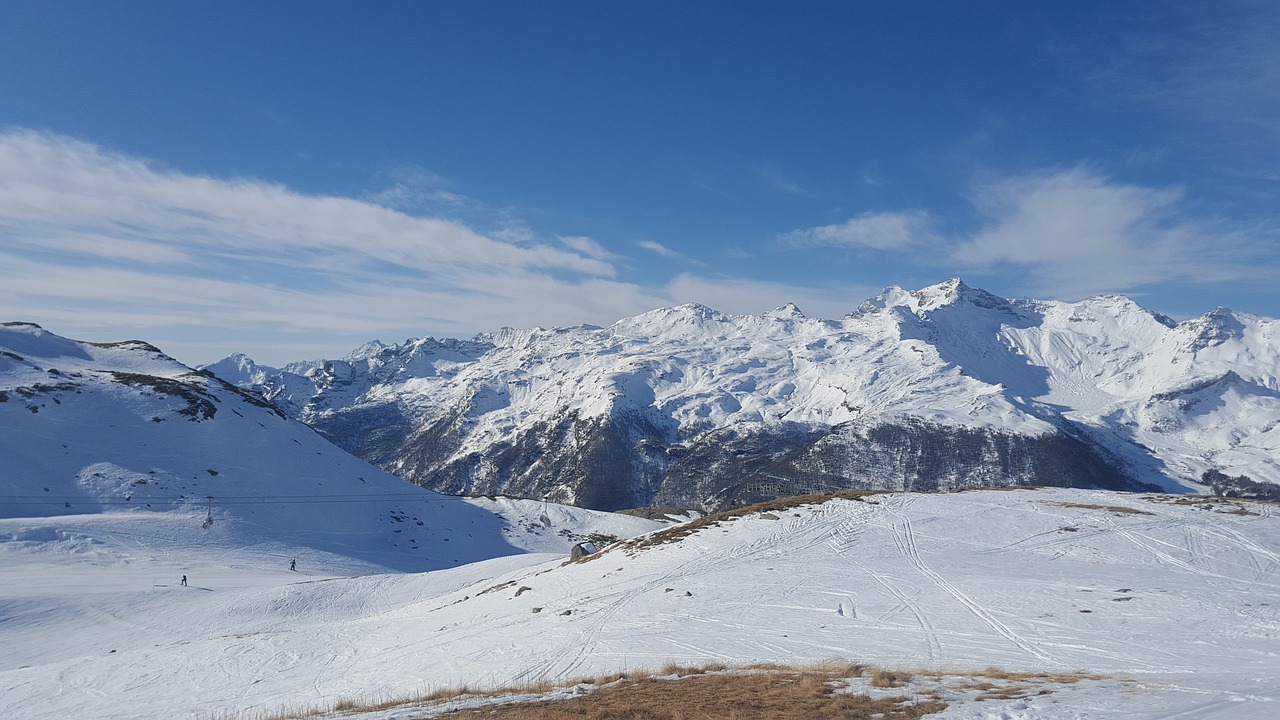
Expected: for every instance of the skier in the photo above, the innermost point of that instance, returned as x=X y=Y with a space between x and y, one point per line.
x=293 y=565
x=184 y=581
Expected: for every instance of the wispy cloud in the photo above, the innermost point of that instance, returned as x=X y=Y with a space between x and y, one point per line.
x=103 y=246
x=587 y=247
x=1210 y=73
x=1077 y=232
x=779 y=181
x=657 y=248
x=96 y=238
x=876 y=231
x=417 y=189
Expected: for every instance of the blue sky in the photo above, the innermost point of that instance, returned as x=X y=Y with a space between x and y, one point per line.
x=292 y=180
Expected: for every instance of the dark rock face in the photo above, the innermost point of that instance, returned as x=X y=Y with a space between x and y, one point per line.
x=624 y=460
x=598 y=463
x=1240 y=486
x=730 y=468
x=375 y=433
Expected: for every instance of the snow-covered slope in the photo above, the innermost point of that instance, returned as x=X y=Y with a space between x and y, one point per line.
x=1172 y=598
x=122 y=430
x=948 y=386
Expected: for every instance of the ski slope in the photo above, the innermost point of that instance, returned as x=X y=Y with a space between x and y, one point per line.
x=1176 y=601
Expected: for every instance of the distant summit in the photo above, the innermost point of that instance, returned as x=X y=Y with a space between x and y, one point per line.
x=945 y=386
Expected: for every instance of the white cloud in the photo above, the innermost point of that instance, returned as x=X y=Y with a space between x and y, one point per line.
x=96 y=242
x=414 y=189
x=100 y=246
x=657 y=248
x=51 y=183
x=587 y=247
x=877 y=231
x=1076 y=233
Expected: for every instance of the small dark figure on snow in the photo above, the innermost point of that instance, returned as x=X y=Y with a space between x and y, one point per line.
x=293 y=565
x=184 y=581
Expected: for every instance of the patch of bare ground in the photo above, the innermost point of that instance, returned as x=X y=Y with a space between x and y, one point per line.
x=834 y=689
x=1117 y=509
x=683 y=530
x=1215 y=503
x=763 y=695
x=661 y=514
x=996 y=684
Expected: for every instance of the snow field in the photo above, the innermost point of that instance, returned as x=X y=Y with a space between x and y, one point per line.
x=1176 y=603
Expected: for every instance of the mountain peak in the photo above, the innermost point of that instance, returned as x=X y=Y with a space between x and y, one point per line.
x=943 y=293
x=934 y=297
x=788 y=311
x=370 y=349
x=1215 y=328
x=238 y=368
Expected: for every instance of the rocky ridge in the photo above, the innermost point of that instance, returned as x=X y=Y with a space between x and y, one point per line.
x=947 y=386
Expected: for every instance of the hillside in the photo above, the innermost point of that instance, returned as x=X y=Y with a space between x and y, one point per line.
x=944 y=387
x=1171 y=599
x=122 y=431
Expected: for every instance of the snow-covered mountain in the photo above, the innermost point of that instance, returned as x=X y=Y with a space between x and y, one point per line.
x=941 y=387
x=122 y=431
x=124 y=471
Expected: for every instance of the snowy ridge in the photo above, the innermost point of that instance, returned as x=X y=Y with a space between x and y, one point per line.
x=456 y=415
x=122 y=430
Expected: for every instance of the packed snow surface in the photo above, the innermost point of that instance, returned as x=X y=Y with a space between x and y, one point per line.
x=1175 y=602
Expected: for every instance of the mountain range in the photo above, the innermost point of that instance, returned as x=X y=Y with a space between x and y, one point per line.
x=948 y=386
x=172 y=545
x=127 y=435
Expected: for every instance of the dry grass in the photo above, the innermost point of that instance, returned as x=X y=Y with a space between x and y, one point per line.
x=889 y=678
x=1118 y=509
x=717 y=691
x=1011 y=685
x=1216 y=503
x=796 y=695
x=661 y=514
x=683 y=530
x=1014 y=676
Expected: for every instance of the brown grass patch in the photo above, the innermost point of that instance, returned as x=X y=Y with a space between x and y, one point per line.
x=1216 y=503
x=755 y=696
x=1118 y=509
x=996 y=673
x=996 y=684
x=495 y=588
x=683 y=530
x=761 y=691
x=661 y=514
x=889 y=678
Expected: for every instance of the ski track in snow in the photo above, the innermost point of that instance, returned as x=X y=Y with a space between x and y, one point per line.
x=1181 y=600
x=904 y=537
